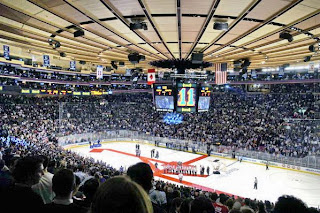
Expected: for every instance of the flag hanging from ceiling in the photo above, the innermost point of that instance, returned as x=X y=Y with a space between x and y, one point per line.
x=220 y=73
x=6 y=52
x=99 y=72
x=151 y=76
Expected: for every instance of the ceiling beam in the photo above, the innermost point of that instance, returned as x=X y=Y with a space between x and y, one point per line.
x=269 y=20
x=80 y=27
x=240 y=18
x=149 y=17
x=102 y=24
x=179 y=27
x=116 y=13
x=213 y=8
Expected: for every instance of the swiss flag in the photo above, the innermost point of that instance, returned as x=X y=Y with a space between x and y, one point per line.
x=151 y=76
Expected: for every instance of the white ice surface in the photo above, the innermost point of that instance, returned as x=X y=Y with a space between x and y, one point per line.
x=235 y=178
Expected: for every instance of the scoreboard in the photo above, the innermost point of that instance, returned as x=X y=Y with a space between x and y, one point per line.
x=184 y=97
x=164 y=97
x=187 y=97
x=204 y=99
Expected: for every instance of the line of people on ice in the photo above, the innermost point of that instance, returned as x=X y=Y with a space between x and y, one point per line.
x=177 y=169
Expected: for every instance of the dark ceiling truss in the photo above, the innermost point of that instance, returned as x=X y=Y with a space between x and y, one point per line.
x=98 y=22
x=231 y=52
x=38 y=37
x=124 y=21
x=287 y=8
x=154 y=27
x=179 y=26
x=36 y=46
x=209 y=17
x=240 y=18
x=79 y=27
x=289 y=27
x=59 y=31
x=297 y=31
x=213 y=8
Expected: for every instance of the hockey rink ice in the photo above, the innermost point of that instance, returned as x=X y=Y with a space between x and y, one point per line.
x=236 y=178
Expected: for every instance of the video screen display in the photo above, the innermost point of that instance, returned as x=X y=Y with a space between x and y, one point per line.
x=203 y=104
x=187 y=97
x=164 y=103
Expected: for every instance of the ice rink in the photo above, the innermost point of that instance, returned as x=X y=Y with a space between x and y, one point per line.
x=236 y=178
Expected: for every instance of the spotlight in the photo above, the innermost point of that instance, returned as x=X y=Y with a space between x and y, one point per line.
x=114 y=65
x=78 y=33
x=307 y=58
x=62 y=54
x=286 y=35
x=312 y=48
x=56 y=45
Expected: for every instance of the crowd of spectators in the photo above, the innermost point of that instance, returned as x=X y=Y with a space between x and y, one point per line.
x=30 y=125
x=35 y=183
x=279 y=124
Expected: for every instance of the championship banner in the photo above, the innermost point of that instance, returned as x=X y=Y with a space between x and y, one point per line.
x=311 y=67
x=151 y=76
x=161 y=74
x=253 y=74
x=6 y=52
x=46 y=61
x=99 y=72
x=281 y=71
x=73 y=65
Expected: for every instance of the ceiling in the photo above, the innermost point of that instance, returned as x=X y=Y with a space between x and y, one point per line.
x=176 y=28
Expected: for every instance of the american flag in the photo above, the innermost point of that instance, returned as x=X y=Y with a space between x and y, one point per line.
x=221 y=73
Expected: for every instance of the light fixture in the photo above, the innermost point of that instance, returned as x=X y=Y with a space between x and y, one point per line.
x=307 y=58
x=286 y=35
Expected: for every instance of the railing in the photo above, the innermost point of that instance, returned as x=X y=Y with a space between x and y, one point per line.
x=192 y=146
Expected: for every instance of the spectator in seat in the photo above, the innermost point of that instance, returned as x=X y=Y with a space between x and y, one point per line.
x=201 y=205
x=6 y=179
x=246 y=206
x=219 y=205
x=290 y=204
x=44 y=187
x=142 y=174
x=158 y=196
x=89 y=189
x=21 y=198
x=63 y=185
x=176 y=205
x=120 y=194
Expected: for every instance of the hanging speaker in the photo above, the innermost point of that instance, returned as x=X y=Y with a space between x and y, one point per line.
x=220 y=26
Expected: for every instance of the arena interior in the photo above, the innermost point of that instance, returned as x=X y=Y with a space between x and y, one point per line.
x=174 y=106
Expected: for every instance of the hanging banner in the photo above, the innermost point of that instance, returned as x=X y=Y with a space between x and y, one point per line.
x=281 y=71
x=253 y=74
x=311 y=67
x=151 y=76
x=6 y=52
x=99 y=72
x=160 y=74
x=46 y=61
x=73 y=65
